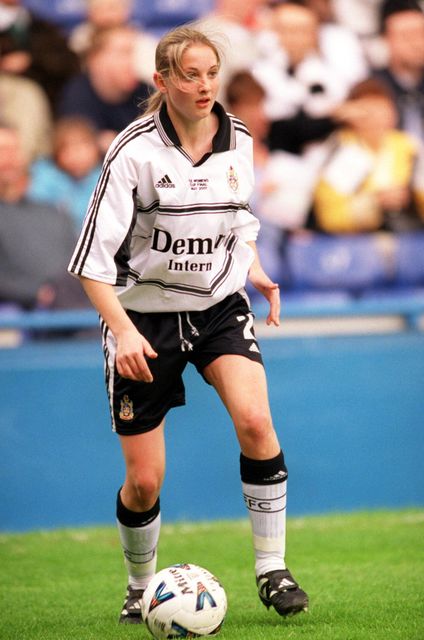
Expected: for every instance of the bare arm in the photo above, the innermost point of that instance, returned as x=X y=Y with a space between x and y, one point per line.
x=264 y=285
x=132 y=348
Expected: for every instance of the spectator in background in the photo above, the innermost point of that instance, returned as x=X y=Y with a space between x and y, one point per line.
x=339 y=46
x=68 y=178
x=234 y=23
x=100 y=14
x=36 y=239
x=402 y=25
x=24 y=106
x=362 y=18
x=107 y=93
x=373 y=178
x=302 y=89
x=283 y=182
x=295 y=74
x=104 y=14
x=36 y=49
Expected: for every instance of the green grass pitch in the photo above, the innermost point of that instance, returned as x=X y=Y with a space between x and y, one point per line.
x=364 y=573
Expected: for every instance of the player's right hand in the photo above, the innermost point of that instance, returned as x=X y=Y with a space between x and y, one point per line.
x=131 y=353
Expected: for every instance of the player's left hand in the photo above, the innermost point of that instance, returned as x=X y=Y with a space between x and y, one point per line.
x=270 y=290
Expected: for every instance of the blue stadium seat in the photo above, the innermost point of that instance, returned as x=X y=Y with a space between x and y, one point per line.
x=410 y=259
x=155 y=15
x=393 y=294
x=65 y=13
x=349 y=263
x=160 y=15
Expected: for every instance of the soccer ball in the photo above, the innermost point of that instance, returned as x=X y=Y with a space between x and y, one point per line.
x=183 y=601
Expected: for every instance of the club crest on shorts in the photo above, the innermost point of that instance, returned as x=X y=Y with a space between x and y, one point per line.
x=127 y=410
x=232 y=179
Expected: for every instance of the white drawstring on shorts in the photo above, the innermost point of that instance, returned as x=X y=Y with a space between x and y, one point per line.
x=194 y=331
x=186 y=345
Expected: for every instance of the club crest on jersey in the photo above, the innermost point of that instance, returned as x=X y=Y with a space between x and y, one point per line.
x=127 y=410
x=232 y=179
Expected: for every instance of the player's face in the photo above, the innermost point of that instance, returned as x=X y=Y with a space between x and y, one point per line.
x=191 y=97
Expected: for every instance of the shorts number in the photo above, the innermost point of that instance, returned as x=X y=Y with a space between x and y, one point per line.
x=247 y=330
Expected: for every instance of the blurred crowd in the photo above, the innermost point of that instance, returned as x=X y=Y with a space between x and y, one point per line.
x=332 y=92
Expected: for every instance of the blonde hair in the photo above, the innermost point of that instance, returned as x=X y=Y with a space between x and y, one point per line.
x=169 y=54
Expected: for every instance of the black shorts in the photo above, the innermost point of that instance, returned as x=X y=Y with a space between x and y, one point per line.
x=197 y=337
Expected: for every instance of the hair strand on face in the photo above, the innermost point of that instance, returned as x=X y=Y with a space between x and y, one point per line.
x=169 y=55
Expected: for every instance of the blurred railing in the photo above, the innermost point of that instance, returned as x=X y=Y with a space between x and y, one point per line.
x=409 y=309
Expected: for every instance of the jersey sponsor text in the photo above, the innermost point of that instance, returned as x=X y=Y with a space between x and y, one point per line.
x=163 y=241
x=173 y=265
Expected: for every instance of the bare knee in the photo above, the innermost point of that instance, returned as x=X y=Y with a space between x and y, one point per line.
x=141 y=489
x=256 y=434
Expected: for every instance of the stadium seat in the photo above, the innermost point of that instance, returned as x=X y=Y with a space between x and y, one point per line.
x=349 y=263
x=65 y=14
x=160 y=15
x=410 y=259
x=156 y=15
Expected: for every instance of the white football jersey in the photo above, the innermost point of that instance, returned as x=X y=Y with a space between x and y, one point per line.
x=169 y=234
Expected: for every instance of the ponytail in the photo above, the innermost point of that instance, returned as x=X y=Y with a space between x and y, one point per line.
x=152 y=104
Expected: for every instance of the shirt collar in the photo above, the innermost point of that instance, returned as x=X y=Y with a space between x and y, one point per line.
x=224 y=139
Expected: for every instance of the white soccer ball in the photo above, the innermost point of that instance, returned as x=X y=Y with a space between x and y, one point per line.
x=184 y=601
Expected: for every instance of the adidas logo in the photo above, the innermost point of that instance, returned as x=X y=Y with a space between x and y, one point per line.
x=165 y=183
x=281 y=475
x=286 y=584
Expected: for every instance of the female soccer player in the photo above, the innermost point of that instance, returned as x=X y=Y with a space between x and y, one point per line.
x=167 y=245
